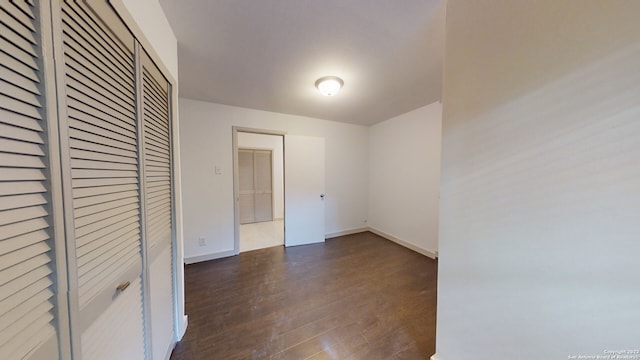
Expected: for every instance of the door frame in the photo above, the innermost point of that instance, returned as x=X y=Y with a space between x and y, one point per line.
x=236 y=184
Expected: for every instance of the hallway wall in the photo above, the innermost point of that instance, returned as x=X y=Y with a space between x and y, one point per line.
x=540 y=180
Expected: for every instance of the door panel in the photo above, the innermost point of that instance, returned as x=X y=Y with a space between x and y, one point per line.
x=246 y=186
x=124 y=315
x=263 y=189
x=28 y=277
x=157 y=154
x=263 y=208
x=246 y=208
x=97 y=212
x=255 y=185
x=304 y=168
x=103 y=184
x=161 y=290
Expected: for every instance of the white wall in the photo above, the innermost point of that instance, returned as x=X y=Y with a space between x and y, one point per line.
x=149 y=19
x=539 y=221
x=206 y=130
x=404 y=178
x=275 y=144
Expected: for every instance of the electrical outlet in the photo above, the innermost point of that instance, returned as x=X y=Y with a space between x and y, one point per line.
x=202 y=241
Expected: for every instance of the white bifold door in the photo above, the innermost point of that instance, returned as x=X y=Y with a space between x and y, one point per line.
x=304 y=169
x=32 y=280
x=256 y=185
x=101 y=173
x=86 y=205
x=158 y=210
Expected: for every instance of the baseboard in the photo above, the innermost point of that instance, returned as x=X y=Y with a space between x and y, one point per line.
x=408 y=245
x=207 y=257
x=183 y=327
x=167 y=355
x=181 y=330
x=434 y=357
x=404 y=243
x=345 y=232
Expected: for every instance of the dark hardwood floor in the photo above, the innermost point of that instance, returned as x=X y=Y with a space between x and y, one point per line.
x=353 y=297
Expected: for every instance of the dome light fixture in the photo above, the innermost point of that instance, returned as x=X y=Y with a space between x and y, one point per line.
x=329 y=85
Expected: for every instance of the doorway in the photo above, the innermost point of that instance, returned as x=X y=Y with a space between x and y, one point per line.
x=298 y=213
x=260 y=196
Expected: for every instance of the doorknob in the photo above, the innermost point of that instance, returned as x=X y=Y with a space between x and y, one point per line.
x=122 y=287
x=322 y=196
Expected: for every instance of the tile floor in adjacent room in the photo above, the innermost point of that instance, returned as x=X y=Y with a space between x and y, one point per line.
x=261 y=235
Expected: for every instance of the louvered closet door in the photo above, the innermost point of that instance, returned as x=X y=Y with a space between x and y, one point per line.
x=246 y=186
x=157 y=156
x=103 y=157
x=158 y=204
x=255 y=185
x=264 y=187
x=27 y=293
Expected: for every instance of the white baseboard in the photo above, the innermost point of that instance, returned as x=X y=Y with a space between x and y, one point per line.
x=183 y=327
x=207 y=257
x=434 y=357
x=408 y=245
x=181 y=330
x=425 y=252
x=345 y=232
x=167 y=355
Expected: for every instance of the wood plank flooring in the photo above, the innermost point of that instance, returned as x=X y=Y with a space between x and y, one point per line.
x=353 y=297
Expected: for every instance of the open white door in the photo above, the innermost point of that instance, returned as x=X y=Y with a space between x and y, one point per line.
x=303 y=190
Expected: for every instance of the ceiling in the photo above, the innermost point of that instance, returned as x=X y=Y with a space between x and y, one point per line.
x=267 y=54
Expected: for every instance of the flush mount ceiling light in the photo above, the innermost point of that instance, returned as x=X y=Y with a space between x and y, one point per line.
x=329 y=85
